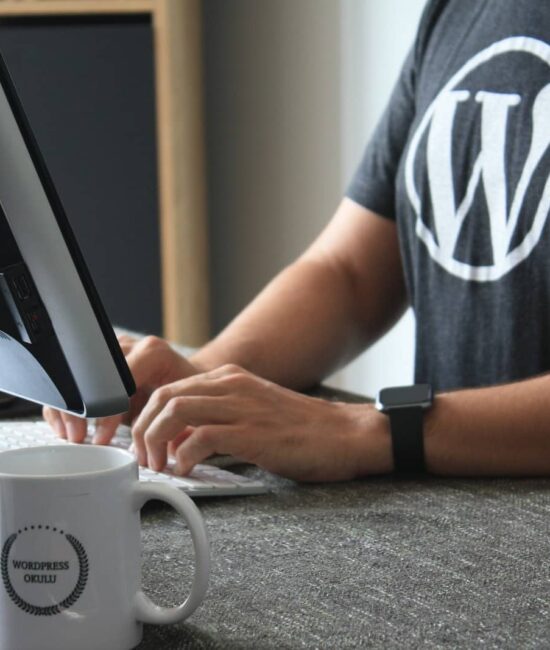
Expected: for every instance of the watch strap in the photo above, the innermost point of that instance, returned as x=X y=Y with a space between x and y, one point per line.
x=407 y=432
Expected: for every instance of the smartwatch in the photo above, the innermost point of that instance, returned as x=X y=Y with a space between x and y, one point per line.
x=405 y=406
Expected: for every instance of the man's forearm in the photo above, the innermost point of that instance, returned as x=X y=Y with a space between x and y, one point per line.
x=501 y=430
x=295 y=332
x=341 y=294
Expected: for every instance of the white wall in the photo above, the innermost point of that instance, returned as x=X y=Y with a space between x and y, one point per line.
x=376 y=35
x=273 y=137
x=293 y=90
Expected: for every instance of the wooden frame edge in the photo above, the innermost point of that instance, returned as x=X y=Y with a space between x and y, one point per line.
x=180 y=150
x=72 y=7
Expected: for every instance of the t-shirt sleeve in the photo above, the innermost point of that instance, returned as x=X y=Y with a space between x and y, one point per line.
x=373 y=185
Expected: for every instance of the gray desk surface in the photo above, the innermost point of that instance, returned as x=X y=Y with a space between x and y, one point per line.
x=379 y=563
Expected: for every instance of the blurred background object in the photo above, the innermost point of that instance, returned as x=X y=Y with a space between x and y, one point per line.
x=6 y=400
x=293 y=91
x=142 y=104
x=113 y=90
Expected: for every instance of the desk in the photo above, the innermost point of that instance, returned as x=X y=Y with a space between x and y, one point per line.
x=379 y=563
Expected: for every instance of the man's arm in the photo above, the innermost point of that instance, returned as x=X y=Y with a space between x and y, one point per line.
x=500 y=430
x=344 y=292
x=340 y=295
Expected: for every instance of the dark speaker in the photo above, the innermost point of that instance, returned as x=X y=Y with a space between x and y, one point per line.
x=87 y=86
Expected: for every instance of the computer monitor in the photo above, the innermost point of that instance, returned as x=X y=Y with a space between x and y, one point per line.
x=57 y=346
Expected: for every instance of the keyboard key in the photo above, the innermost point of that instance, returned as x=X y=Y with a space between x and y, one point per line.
x=204 y=480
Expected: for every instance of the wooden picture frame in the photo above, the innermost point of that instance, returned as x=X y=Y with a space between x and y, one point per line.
x=180 y=148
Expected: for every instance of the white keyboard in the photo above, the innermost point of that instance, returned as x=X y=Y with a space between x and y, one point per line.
x=203 y=481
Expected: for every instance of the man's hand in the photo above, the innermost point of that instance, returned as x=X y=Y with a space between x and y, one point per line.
x=152 y=363
x=231 y=411
x=228 y=410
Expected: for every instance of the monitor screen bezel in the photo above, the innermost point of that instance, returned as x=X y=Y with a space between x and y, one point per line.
x=65 y=228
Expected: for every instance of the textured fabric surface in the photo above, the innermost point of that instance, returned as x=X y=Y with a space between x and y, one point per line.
x=381 y=563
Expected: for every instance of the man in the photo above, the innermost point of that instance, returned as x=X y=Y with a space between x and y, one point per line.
x=447 y=212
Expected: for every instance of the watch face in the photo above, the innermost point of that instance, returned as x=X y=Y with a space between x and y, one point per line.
x=403 y=396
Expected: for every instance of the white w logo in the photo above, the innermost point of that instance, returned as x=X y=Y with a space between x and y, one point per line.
x=489 y=169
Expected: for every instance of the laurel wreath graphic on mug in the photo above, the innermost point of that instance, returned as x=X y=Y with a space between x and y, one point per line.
x=65 y=603
x=59 y=589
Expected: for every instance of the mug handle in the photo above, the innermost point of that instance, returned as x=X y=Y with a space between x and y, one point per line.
x=145 y=610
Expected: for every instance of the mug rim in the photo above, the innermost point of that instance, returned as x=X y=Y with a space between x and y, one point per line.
x=130 y=460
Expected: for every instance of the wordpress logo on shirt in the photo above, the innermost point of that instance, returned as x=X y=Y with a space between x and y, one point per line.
x=477 y=169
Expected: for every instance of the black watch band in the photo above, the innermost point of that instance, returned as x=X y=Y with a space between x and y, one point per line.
x=408 y=439
x=405 y=406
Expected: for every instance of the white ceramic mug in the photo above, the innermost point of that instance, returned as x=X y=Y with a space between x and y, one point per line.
x=71 y=550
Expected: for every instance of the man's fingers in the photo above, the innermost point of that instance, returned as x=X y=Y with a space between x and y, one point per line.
x=196 y=390
x=176 y=442
x=105 y=429
x=126 y=347
x=126 y=340
x=146 y=359
x=53 y=418
x=178 y=413
x=202 y=443
x=66 y=426
x=75 y=427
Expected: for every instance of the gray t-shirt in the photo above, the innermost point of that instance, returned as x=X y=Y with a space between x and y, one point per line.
x=461 y=161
